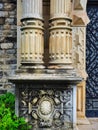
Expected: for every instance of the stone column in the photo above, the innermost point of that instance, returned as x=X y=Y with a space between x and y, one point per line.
x=32 y=35
x=60 y=43
x=80 y=20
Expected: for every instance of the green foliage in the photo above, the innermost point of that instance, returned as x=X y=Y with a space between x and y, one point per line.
x=8 y=119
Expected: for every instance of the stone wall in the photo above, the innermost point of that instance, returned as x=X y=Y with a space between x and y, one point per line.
x=8 y=46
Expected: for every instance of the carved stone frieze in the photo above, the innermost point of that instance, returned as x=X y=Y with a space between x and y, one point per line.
x=46 y=108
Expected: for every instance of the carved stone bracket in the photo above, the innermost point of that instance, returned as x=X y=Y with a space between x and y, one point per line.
x=79 y=14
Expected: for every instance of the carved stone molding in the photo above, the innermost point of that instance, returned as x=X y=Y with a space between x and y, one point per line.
x=79 y=49
x=47 y=108
x=80 y=20
x=32 y=39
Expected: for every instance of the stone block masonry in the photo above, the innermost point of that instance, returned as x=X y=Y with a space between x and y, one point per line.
x=8 y=45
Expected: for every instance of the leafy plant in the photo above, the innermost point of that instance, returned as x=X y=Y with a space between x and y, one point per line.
x=8 y=119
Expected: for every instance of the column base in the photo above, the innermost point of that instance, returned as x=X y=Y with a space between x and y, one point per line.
x=32 y=66
x=83 y=121
x=60 y=66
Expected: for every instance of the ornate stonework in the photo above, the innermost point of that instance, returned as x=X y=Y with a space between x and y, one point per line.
x=79 y=14
x=79 y=46
x=80 y=20
x=47 y=108
x=32 y=39
x=47 y=97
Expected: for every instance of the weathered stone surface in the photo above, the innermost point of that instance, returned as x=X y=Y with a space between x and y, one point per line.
x=1 y=61
x=1 y=28
x=2 y=91
x=1 y=6
x=2 y=20
x=11 y=51
x=7 y=27
x=7 y=39
x=12 y=61
x=9 y=20
x=80 y=20
x=1 y=74
x=9 y=6
x=12 y=13
x=7 y=1
x=4 y=14
x=13 y=27
x=6 y=45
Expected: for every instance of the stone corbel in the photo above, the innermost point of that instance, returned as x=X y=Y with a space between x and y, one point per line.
x=80 y=4
x=79 y=13
x=80 y=18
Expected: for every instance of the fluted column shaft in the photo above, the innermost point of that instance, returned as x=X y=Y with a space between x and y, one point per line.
x=32 y=33
x=60 y=8
x=32 y=8
x=60 y=44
